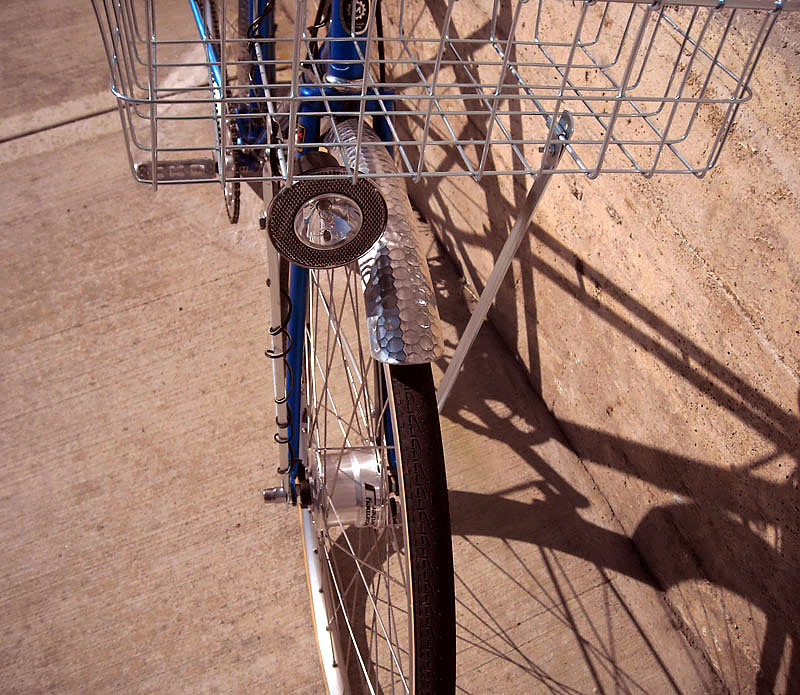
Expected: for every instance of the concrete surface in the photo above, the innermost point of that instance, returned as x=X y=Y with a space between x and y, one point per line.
x=658 y=320
x=138 y=556
x=135 y=434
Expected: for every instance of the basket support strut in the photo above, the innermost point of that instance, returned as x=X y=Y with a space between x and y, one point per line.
x=551 y=156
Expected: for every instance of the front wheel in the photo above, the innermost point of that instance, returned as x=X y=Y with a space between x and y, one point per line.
x=377 y=533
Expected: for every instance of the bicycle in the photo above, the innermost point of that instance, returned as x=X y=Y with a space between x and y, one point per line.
x=327 y=122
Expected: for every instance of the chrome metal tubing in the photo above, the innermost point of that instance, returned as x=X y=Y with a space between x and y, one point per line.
x=550 y=159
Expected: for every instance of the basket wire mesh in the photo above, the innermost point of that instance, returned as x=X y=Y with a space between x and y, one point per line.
x=652 y=88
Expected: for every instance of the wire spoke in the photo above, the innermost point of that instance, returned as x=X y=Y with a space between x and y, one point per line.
x=376 y=614
x=368 y=574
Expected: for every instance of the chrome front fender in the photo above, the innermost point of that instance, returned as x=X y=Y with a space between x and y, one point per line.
x=402 y=317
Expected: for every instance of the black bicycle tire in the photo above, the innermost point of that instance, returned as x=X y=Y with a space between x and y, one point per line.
x=428 y=524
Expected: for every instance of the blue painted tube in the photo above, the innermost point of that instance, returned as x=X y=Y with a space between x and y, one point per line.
x=298 y=286
x=213 y=58
x=347 y=50
x=264 y=30
x=308 y=126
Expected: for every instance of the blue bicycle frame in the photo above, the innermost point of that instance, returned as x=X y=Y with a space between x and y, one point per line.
x=343 y=58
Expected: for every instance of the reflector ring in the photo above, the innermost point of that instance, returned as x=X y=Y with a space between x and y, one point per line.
x=285 y=206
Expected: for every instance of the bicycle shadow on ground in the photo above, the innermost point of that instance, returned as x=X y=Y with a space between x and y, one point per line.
x=738 y=505
x=546 y=579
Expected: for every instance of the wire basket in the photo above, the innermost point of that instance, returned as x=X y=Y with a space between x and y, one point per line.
x=462 y=88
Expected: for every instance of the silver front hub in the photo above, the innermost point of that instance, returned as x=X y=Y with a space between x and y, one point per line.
x=353 y=492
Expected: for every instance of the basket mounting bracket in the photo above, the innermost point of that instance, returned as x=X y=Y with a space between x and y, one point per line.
x=551 y=156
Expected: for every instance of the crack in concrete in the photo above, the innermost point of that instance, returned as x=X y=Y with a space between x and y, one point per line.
x=57 y=124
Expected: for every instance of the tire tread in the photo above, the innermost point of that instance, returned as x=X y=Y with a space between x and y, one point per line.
x=431 y=552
